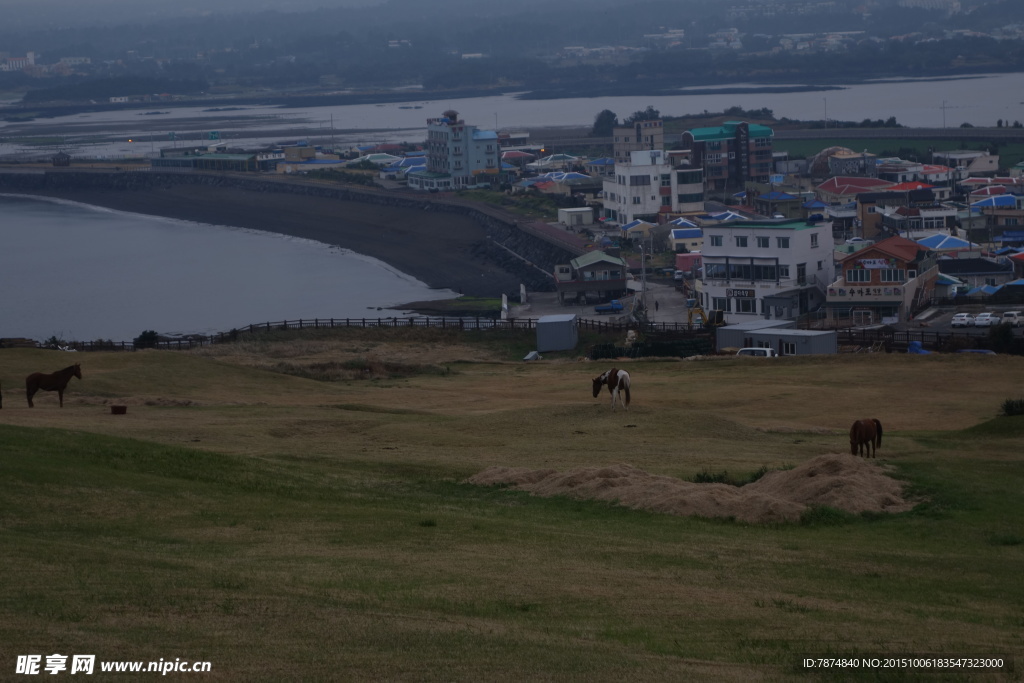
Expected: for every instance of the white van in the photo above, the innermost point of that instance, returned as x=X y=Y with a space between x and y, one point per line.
x=1012 y=317
x=757 y=352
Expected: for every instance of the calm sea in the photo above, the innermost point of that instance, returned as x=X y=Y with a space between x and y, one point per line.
x=920 y=103
x=84 y=273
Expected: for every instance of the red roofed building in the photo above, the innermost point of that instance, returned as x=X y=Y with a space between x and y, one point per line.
x=883 y=282
x=844 y=189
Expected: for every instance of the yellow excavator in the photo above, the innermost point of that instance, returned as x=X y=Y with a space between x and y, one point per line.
x=694 y=309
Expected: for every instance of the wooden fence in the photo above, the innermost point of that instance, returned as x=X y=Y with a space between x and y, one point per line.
x=452 y=323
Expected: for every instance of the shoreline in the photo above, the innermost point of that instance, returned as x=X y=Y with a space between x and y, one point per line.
x=436 y=248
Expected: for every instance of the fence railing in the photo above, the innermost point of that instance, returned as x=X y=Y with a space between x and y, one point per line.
x=445 y=323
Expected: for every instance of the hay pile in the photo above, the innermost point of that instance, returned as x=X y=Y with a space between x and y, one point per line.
x=839 y=481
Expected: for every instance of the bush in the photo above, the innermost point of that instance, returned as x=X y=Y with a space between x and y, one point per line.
x=1013 y=406
x=146 y=340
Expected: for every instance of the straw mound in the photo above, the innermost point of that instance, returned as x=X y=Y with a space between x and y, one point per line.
x=839 y=481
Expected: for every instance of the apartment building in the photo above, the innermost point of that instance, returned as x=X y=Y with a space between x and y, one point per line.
x=648 y=185
x=639 y=136
x=771 y=269
x=732 y=154
x=459 y=156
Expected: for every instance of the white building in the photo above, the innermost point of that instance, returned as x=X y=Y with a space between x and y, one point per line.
x=648 y=186
x=771 y=269
x=459 y=156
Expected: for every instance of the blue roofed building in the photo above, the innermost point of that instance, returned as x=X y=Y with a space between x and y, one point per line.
x=459 y=156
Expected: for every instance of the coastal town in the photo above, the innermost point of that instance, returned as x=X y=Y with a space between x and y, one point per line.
x=719 y=219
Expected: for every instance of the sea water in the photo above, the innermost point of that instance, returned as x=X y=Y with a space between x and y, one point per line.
x=84 y=273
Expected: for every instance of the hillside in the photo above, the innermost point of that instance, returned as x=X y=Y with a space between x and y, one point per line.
x=296 y=505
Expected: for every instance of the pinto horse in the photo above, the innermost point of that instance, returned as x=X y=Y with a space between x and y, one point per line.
x=55 y=381
x=618 y=386
x=866 y=437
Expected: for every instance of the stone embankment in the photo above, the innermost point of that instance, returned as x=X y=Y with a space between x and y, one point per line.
x=521 y=254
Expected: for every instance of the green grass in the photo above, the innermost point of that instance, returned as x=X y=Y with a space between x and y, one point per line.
x=328 y=535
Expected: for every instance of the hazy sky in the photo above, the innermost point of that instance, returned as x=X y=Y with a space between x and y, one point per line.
x=36 y=14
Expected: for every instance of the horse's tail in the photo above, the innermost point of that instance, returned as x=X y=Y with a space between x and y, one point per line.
x=878 y=433
x=625 y=388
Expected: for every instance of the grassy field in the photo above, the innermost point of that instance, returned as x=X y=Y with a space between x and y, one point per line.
x=292 y=507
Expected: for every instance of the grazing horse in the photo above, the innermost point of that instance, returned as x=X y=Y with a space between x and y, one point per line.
x=55 y=381
x=618 y=386
x=866 y=437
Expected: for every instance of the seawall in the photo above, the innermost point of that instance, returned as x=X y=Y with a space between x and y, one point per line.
x=446 y=243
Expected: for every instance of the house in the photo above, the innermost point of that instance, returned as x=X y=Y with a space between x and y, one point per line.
x=592 y=276
x=649 y=186
x=459 y=156
x=882 y=282
x=969 y=162
x=778 y=204
x=844 y=189
x=978 y=271
x=731 y=154
x=685 y=239
x=772 y=268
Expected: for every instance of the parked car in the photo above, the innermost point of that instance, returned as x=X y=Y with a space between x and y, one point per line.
x=986 y=319
x=757 y=352
x=1012 y=318
x=962 y=320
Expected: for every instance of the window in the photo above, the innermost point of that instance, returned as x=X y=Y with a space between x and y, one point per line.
x=636 y=180
x=714 y=271
x=801 y=273
x=716 y=240
x=858 y=275
x=666 y=201
x=783 y=272
x=636 y=200
x=821 y=265
x=740 y=271
x=891 y=275
x=765 y=273
x=741 y=241
x=666 y=180
x=762 y=242
x=690 y=198
x=746 y=305
x=788 y=348
x=782 y=242
x=814 y=241
x=1011 y=221
x=720 y=304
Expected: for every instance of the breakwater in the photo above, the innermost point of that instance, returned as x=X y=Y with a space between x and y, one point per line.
x=504 y=242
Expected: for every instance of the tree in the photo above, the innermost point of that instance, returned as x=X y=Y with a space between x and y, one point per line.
x=604 y=122
x=649 y=114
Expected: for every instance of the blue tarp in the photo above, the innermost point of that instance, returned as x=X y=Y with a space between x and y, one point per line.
x=916 y=347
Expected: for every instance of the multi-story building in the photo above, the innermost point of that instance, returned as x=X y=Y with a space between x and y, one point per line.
x=648 y=186
x=638 y=136
x=774 y=268
x=732 y=154
x=883 y=282
x=459 y=156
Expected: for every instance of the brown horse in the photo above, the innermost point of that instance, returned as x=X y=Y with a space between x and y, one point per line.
x=55 y=381
x=866 y=437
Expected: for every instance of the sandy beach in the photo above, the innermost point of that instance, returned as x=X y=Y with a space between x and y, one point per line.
x=436 y=248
